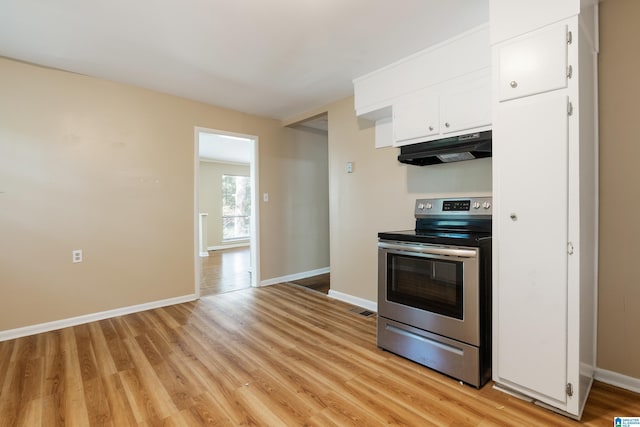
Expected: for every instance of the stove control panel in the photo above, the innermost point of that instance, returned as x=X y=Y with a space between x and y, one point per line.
x=462 y=206
x=456 y=205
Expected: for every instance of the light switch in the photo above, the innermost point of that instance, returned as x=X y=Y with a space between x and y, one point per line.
x=265 y=197
x=349 y=167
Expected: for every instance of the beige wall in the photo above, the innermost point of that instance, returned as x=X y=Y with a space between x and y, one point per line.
x=210 y=195
x=109 y=168
x=379 y=196
x=619 y=277
x=302 y=188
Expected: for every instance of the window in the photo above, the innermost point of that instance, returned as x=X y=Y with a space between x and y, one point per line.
x=236 y=207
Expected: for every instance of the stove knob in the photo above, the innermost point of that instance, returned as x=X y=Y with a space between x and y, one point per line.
x=486 y=205
x=420 y=205
x=476 y=205
x=428 y=205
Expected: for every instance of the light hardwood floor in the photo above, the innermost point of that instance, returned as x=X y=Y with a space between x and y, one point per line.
x=319 y=283
x=225 y=270
x=274 y=356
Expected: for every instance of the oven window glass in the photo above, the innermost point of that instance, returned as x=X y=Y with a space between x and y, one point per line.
x=429 y=284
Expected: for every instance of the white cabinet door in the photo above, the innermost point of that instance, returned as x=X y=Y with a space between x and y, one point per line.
x=511 y=18
x=530 y=147
x=448 y=109
x=466 y=106
x=533 y=64
x=415 y=116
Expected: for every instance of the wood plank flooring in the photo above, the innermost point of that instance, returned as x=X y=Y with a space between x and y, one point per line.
x=274 y=356
x=319 y=283
x=225 y=270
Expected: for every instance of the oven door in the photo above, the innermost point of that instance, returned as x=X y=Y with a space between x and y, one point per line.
x=431 y=287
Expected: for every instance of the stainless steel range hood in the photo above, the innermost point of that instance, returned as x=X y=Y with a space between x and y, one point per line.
x=455 y=149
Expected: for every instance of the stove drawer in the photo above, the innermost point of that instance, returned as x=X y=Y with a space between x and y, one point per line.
x=456 y=359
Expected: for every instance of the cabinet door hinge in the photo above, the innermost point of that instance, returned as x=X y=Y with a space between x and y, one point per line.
x=569 y=389
x=569 y=71
x=569 y=37
x=570 y=248
x=569 y=108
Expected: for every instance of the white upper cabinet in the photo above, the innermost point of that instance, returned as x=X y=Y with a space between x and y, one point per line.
x=441 y=91
x=375 y=92
x=416 y=115
x=511 y=18
x=466 y=104
x=456 y=107
x=533 y=63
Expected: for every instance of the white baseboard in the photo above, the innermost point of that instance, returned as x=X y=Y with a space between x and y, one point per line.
x=360 y=302
x=229 y=246
x=297 y=276
x=618 y=380
x=79 y=320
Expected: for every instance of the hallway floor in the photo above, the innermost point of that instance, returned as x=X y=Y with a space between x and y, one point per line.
x=319 y=283
x=225 y=270
x=228 y=270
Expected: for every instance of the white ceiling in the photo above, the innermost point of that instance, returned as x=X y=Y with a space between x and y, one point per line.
x=224 y=148
x=274 y=58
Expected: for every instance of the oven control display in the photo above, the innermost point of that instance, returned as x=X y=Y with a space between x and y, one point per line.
x=456 y=205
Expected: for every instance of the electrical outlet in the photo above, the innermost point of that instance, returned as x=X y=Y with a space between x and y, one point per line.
x=265 y=197
x=76 y=255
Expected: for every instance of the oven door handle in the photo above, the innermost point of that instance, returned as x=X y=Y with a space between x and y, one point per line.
x=430 y=250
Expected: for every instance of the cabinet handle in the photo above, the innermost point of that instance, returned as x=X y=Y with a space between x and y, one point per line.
x=447 y=124
x=430 y=127
x=513 y=84
x=513 y=217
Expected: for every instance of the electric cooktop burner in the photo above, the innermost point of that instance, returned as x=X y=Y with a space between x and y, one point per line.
x=436 y=238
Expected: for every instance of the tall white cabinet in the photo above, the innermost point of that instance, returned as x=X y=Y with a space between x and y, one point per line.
x=545 y=199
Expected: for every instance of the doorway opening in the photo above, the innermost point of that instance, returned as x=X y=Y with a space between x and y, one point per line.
x=226 y=211
x=316 y=146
